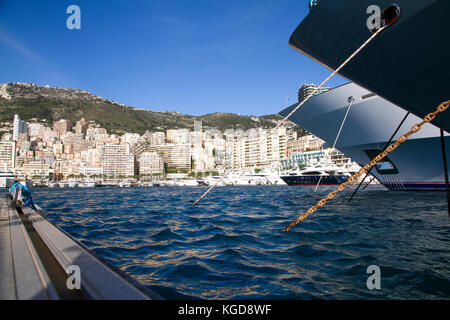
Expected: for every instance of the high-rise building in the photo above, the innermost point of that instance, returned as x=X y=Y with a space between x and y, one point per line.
x=150 y=163
x=35 y=129
x=117 y=161
x=306 y=89
x=175 y=156
x=20 y=127
x=7 y=155
x=157 y=138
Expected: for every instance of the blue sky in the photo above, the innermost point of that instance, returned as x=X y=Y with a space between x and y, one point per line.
x=194 y=57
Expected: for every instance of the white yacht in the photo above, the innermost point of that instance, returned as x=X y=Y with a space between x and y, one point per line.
x=272 y=177
x=125 y=184
x=211 y=180
x=244 y=179
x=316 y=172
x=188 y=183
x=414 y=165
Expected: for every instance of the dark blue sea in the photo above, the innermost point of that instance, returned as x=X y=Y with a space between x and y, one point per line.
x=231 y=246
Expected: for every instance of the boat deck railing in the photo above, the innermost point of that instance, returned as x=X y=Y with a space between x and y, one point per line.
x=37 y=259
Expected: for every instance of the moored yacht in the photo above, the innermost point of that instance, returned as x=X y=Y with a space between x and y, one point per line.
x=325 y=173
x=211 y=180
x=371 y=122
x=407 y=63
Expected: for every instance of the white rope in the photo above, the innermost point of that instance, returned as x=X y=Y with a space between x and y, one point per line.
x=330 y=76
x=351 y=99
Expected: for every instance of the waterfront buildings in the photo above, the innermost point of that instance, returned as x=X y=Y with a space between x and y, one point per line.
x=303 y=144
x=87 y=150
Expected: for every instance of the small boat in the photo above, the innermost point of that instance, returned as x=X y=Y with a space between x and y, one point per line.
x=211 y=181
x=89 y=183
x=73 y=184
x=188 y=183
x=125 y=184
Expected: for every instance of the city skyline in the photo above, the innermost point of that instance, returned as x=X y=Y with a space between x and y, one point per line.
x=85 y=149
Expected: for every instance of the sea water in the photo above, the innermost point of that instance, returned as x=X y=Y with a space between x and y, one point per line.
x=231 y=245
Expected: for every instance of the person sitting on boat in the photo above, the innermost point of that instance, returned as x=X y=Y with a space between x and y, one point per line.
x=26 y=198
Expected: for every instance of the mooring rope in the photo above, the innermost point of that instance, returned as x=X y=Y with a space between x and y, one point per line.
x=428 y=118
x=350 y=102
x=332 y=75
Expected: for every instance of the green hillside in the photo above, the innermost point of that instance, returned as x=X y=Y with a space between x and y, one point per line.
x=53 y=104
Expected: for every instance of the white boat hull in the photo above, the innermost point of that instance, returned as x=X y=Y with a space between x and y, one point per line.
x=370 y=124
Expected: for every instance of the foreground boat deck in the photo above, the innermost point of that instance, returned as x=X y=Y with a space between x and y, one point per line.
x=34 y=257
x=22 y=272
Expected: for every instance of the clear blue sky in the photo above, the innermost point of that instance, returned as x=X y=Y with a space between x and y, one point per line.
x=194 y=57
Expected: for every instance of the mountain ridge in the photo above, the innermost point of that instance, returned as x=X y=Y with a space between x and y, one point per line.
x=49 y=104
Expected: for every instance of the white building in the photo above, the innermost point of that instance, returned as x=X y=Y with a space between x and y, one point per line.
x=117 y=161
x=178 y=136
x=89 y=171
x=157 y=138
x=174 y=156
x=7 y=155
x=150 y=163
x=130 y=138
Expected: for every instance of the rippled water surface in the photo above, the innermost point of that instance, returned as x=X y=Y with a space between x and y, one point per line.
x=231 y=246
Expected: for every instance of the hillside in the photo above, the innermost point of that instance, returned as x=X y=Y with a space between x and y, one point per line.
x=52 y=104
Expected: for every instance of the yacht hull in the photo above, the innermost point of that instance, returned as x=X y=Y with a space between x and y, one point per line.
x=417 y=163
x=300 y=180
x=408 y=63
